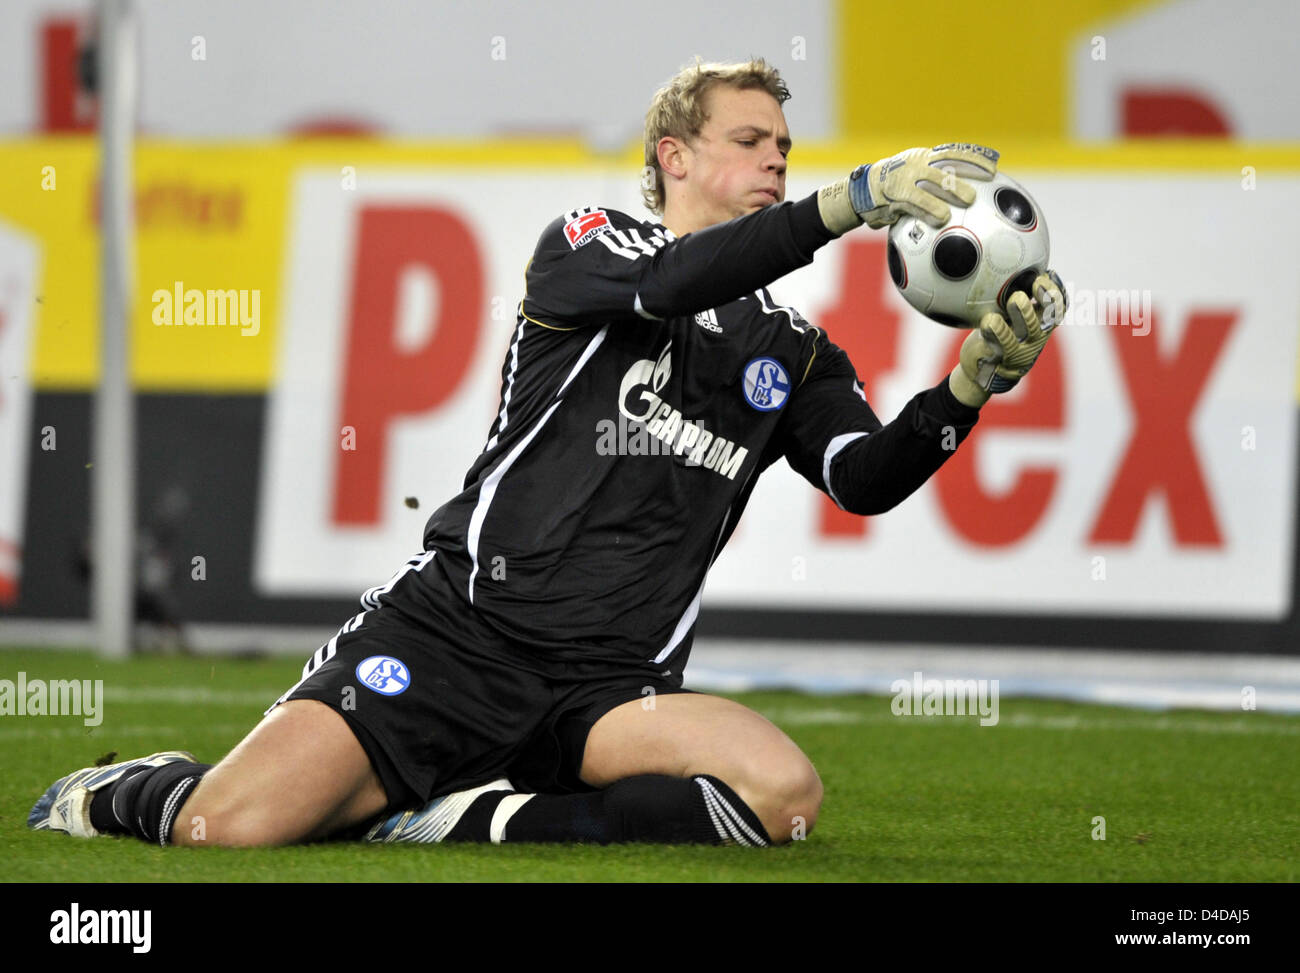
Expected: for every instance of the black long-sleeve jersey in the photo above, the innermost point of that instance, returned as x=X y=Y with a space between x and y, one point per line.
x=650 y=380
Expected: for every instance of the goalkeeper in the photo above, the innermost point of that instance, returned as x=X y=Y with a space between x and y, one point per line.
x=521 y=678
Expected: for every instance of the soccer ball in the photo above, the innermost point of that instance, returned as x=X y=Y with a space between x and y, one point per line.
x=957 y=273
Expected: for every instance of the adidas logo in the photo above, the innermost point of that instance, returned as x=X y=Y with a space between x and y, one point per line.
x=708 y=320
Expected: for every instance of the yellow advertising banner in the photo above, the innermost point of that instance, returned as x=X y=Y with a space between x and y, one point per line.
x=209 y=246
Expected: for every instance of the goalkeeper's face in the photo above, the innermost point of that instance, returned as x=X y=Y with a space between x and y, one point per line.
x=737 y=164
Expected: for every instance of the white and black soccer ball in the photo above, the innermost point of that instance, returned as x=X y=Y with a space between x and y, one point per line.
x=957 y=273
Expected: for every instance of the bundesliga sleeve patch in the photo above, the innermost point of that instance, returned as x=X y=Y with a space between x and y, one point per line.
x=586 y=228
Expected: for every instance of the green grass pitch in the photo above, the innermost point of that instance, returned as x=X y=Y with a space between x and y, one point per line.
x=1186 y=796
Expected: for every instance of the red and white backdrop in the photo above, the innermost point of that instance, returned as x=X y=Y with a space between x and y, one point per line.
x=1146 y=467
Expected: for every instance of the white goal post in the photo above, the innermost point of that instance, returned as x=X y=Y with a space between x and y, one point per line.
x=113 y=474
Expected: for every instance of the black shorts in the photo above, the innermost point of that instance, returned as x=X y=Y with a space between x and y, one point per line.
x=440 y=701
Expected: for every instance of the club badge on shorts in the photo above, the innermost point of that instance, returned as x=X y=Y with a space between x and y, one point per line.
x=384 y=675
x=767 y=385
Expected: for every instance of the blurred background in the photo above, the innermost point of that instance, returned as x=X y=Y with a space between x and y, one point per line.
x=369 y=181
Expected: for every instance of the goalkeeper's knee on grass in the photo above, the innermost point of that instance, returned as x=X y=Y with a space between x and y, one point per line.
x=656 y=808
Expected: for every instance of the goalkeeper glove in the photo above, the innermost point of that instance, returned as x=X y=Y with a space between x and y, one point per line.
x=907 y=183
x=996 y=356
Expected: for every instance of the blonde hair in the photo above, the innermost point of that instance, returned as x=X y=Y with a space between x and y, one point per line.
x=678 y=109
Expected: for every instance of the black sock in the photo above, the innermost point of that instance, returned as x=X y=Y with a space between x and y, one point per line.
x=652 y=807
x=145 y=804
